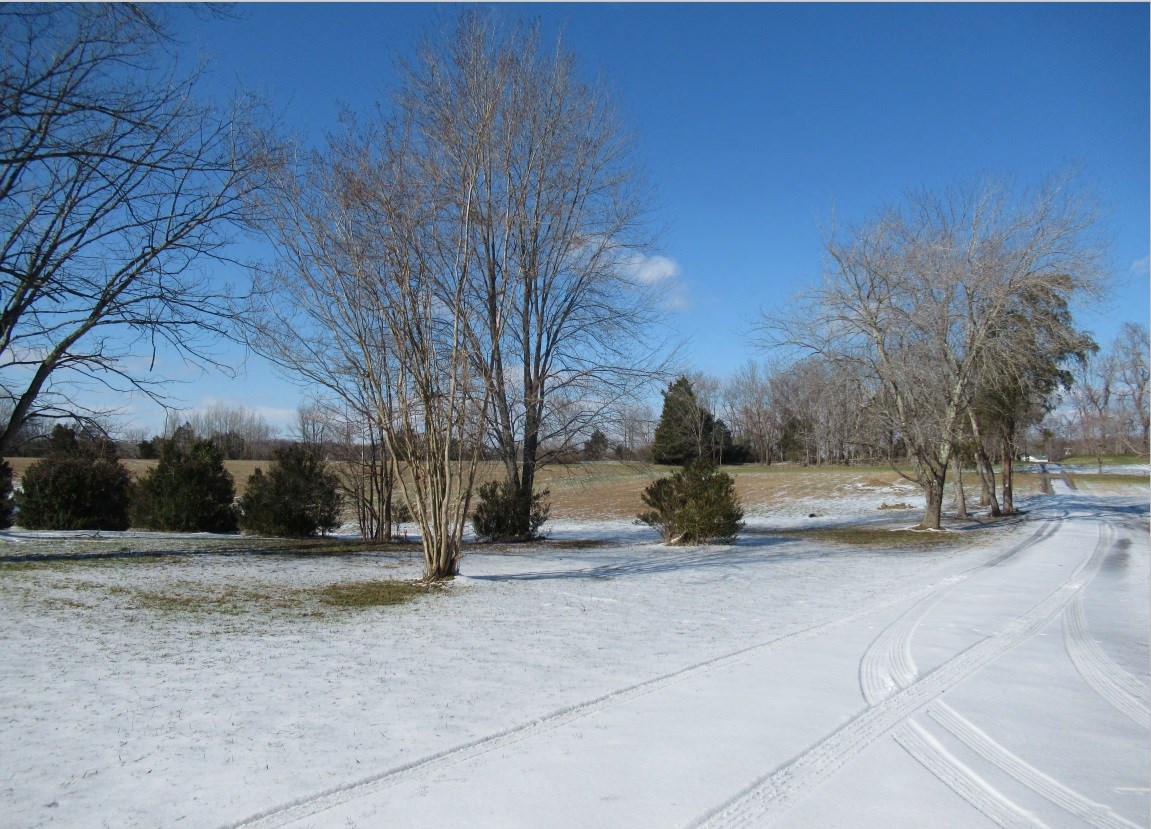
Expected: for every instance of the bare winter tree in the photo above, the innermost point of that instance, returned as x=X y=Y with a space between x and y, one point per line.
x=562 y=308
x=114 y=184
x=751 y=410
x=240 y=432
x=372 y=298
x=1130 y=350
x=917 y=302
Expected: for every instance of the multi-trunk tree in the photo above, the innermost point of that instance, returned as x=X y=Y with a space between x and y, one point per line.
x=930 y=304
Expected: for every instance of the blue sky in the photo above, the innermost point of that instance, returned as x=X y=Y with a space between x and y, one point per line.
x=758 y=123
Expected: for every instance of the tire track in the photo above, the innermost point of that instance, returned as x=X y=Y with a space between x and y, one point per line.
x=887 y=664
x=982 y=744
x=1111 y=682
x=777 y=791
x=919 y=743
x=890 y=661
x=313 y=804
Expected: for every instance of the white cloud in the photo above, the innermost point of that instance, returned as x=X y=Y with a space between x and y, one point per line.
x=653 y=269
x=664 y=272
x=1141 y=267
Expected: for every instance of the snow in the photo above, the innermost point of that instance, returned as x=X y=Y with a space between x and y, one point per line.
x=774 y=680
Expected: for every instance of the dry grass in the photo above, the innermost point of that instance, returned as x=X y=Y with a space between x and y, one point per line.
x=371 y=593
x=612 y=490
x=239 y=470
x=885 y=537
x=196 y=598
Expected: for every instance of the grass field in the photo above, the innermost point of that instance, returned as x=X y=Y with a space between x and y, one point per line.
x=611 y=489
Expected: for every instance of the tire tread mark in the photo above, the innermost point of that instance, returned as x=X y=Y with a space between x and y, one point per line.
x=919 y=743
x=775 y=792
x=1111 y=682
x=982 y=744
x=887 y=664
x=313 y=804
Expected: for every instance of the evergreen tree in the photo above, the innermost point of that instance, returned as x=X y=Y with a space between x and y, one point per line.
x=596 y=447
x=296 y=498
x=695 y=505
x=188 y=491
x=5 y=495
x=686 y=430
x=79 y=485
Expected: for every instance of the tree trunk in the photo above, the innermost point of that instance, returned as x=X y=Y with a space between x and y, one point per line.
x=441 y=559
x=933 y=490
x=1008 y=478
x=961 y=496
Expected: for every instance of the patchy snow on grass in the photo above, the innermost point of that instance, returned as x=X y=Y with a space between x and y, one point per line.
x=621 y=683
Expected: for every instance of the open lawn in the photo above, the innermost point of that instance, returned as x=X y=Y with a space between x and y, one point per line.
x=831 y=671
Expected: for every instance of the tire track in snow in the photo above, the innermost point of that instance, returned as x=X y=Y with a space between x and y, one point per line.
x=313 y=804
x=887 y=665
x=777 y=791
x=982 y=744
x=919 y=743
x=1119 y=688
x=891 y=664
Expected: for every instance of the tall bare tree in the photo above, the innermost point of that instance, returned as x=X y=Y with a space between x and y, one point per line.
x=917 y=303
x=1130 y=350
x=114 y=185
x=563 y=311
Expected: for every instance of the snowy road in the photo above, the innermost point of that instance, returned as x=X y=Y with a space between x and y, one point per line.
x=632 y=686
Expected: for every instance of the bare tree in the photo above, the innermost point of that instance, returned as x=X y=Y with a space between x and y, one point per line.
x=752 y=411
x=917 y=302
x=114 y=184
x=1130 y=350
x=562 y=313
x=372 y=299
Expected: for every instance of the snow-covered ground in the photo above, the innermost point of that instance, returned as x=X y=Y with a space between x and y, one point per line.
x=773 y=681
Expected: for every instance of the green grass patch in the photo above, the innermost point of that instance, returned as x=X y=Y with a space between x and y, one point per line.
x=371 y=593
x=1108 y=460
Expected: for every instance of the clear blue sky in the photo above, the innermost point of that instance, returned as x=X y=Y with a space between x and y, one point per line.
x=757 y=123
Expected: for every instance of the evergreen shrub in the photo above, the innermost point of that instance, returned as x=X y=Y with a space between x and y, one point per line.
x=79 y=485
x=298 y=497
x=6 y=504
x=188 y=491
x=695 y=505
x=501 y=514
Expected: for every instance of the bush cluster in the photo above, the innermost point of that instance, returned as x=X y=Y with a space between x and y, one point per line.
x=188 y=491
x=79 y=485
x=298 y=497
x=504 y=514
x=695 y=505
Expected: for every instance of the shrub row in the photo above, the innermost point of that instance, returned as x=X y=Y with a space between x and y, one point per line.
x=81 y=485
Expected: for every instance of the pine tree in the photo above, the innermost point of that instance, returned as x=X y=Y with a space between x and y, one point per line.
x=296 y=498
x=687 y=430
x=596 y=447
x=188 y=491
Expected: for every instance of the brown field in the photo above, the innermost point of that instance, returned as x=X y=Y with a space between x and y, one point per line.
x=611 y=489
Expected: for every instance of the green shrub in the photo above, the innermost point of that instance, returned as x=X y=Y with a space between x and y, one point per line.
x=79 y=485
x=503 y=514
x=296 y=498
x=695 y=505
x=188 y=491
x=5 y=495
